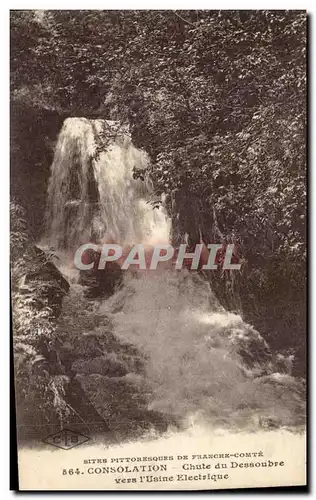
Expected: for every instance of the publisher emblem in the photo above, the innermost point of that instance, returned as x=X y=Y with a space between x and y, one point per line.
x=66 y=439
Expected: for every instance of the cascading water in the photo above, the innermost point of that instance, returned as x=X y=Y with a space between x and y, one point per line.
x=202 y=362
x=94 y=196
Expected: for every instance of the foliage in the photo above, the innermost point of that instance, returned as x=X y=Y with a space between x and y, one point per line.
x=37 y=292
x=18 y=230
x=217 y=98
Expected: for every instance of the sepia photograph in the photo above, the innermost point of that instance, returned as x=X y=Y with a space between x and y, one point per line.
x=158 y=248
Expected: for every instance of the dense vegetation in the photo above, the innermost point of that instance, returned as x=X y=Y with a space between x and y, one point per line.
x=218 y=100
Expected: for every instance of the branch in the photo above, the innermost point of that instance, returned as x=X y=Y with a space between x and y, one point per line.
x=185 y=20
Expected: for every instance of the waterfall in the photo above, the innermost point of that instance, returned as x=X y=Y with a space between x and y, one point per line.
x=93 y=196
x=201 y=361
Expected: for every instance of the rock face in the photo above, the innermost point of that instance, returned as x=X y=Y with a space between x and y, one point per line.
x=100 y=282
x=108 y=371
x=69 y=367
x=41 y=282
x=46 y=395
x=38 y=290
x=38 y=287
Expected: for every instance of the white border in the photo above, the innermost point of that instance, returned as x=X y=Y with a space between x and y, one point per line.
x=4 y=195
x=162 y=4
